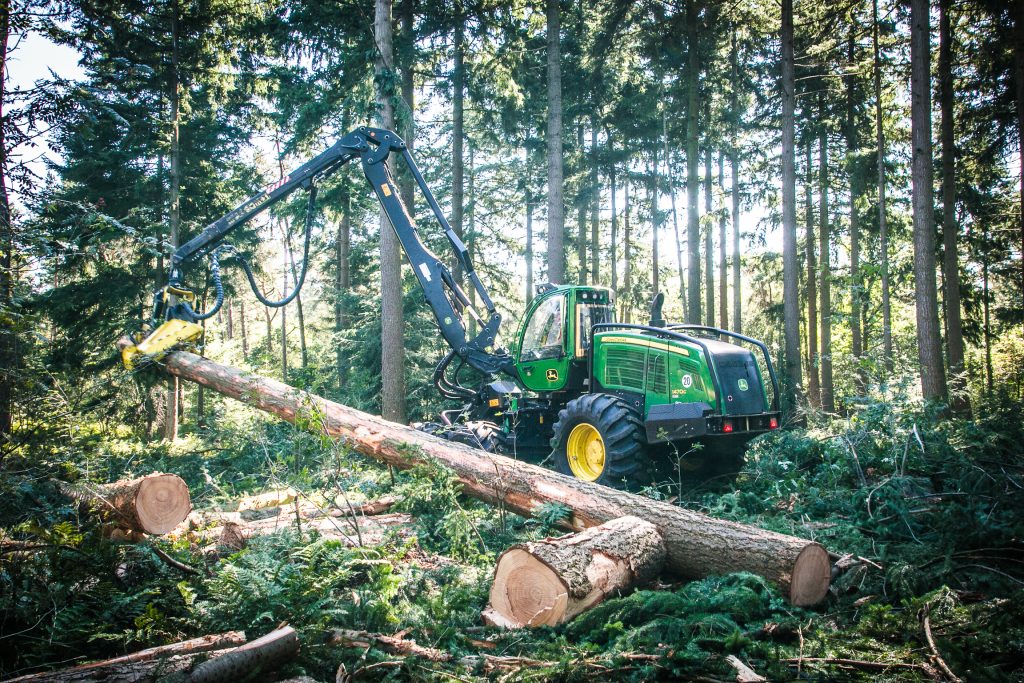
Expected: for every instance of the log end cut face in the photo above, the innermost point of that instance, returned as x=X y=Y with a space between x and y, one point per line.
x=812 y=573
x=161 y=503
x=527 y=591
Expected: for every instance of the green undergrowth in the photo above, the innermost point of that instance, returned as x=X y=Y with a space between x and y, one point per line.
x=925 y=511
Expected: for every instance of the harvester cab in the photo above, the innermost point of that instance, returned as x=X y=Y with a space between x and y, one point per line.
x=599 y=399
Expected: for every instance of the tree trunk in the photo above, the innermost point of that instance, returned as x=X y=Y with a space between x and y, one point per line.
x=813 y=383
x=950 y=260
x=529 y=243
x=1018 y=72
x=656 y=267
x=284 y=316
x=458 y=140
x=303 y=351
x=613 y=254
x=342 y=279
x=393 y=392
x=692 y=159
x=174 y=191
x=828 y=403
x=696 y=545
x=790 y=265
x=723 y=274
x=7 y=334
x=229 y=314
x=153 y=504
x=582 y=200
x=556 y=206
x=883 y=228
x=627 y=254
x=595 y=207
x=471 y=232
x=734 y=170
x=138 y=665
x=551 y=581
x=406 y=183
x=709 y=241
x=853 y=169
x=244 y=329
x=929 y=345
x=263 y=654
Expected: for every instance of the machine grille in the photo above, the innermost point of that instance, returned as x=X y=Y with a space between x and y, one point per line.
x=624 y=367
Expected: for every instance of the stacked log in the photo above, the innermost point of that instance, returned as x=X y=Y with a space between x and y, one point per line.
x=696 y=545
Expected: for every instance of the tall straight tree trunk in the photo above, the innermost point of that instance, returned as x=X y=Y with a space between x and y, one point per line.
x=950 y=261
x=987 y=320
x=174 y=196
x=813 y=383
x=883 y=227
x=458 y=138
x=244 y=329
x=656 y=279
x=270 y=330
x=529 y=242
x=303 y=351
x=734 y=170
x=670 y=185
x=582 y=200
x=852 y=149
x=556 y=206
x=392 y=320
x=709 y=244
x=828 y=402
x=230 y=316
x=613 y=254
x=1018 y=71
x=929 y=345
x=723 y=273
x=406 y=182
x=7 y=338
x=627 y=266
x=471 y=232
x=284 y=317
x=595 y=206
x=790 y=265
x=693 y=312
x=342 y=280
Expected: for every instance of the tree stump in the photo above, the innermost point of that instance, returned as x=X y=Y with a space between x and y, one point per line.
x=546 y=583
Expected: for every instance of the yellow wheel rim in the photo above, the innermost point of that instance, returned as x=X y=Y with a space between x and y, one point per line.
x=585 y=451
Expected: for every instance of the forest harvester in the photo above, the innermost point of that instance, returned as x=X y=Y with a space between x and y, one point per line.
x=606 y=401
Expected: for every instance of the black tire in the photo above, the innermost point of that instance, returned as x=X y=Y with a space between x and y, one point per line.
x=626 y=463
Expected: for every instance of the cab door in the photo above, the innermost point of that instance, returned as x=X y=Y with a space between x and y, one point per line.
x=544 y=357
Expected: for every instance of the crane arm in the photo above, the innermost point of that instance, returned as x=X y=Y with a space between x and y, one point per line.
x=173 y=303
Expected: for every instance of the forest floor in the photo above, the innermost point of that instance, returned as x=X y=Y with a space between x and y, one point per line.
x=927 y=513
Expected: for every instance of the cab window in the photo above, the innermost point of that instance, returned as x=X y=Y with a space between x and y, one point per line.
x=589 y=315
x=545 y=333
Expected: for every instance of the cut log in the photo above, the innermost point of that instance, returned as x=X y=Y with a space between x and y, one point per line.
x=139 y=665
x=696 y=545
x=154 y=504
x=548 y=582
x=261 y=655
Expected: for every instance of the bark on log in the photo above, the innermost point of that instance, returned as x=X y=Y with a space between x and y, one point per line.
x=139 y=665
x=263 y=654
x=154 y=504
x=696 y=545
x=548 y=582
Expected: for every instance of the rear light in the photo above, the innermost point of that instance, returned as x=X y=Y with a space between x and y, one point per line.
x=773 y=423
x=727 y=427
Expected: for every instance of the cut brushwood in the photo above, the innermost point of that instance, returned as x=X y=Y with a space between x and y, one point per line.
x=696 y=545
x=548 y=582
x=144 y=663
x=154 y=504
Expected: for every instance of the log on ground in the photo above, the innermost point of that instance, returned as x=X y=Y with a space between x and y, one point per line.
x=548 y=582
x=696 y=545
x=154 y=504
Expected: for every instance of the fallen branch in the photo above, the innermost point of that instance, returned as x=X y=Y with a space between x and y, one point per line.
x=139 y=665
x=261 y=655
x=744 y=674
x=926 y=624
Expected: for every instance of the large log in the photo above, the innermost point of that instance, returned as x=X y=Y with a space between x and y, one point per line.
x=154 y=504
x=696 y=545
x=548 y=582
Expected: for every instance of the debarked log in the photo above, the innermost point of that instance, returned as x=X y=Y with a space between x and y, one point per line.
x=696 y=545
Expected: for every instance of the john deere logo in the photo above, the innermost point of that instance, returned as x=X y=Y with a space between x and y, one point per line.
x=742 y=384
x=552 y=375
